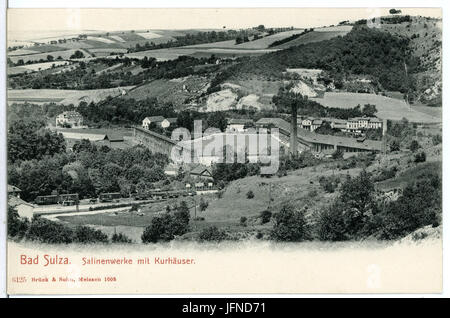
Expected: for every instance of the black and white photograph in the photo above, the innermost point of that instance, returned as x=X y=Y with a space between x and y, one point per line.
x=223 y=150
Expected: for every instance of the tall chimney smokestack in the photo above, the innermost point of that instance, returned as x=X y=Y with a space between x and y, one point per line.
x=293 y=142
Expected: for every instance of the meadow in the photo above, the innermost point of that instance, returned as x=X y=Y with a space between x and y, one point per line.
x=65 y=97
x=388 y=108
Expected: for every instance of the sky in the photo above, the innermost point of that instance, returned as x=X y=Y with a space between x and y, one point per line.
x=71 y=19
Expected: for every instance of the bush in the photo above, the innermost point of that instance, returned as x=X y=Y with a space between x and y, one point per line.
x=331 y=225
x=85 y=234
x=243 y=221
x=394 y=145
x=265 y=216
x=250 y=194
x=414 y=146
x=203 y=205
x=134 y=207
x=17 y=227
x=329 y=184
x=212 y=234
x=420 y=157
x=290 y=225
x=166 y=227
x=160 y=229
x=47 y=231
x=120 y=238
x=436 y=139
x=259 y=235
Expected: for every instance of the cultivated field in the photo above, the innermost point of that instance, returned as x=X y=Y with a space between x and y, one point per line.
x=171 y=91
x=262 y=43
x=66 y=97
x=35 y=67
x=388 y=108
x=65 y=55
x=314 y=36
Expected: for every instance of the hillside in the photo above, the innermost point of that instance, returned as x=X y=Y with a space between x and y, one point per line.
x=425 y=43
x=315 y=36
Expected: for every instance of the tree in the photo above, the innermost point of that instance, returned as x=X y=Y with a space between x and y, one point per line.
x=394 y=145
x=17 y=227
x=160 y=229
x=420 y=157
x=181 y=219
x=27 y=139
x=47 y=231
x=395 y=11
x=217 y=120
x=331 y=225
x=85 y=235
x=77 y=55
x=50 y=58
x=369 y=110
x=290 y=225
x=120 y=238
x=414 y=145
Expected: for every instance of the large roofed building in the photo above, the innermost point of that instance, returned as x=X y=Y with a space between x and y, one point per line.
x=319 y=142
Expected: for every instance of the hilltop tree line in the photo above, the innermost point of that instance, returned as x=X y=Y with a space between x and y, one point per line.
x=363 y=51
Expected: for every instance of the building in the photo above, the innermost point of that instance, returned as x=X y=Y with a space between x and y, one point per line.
x=172 y=121
x=375 y=123
x=306 y=123
x=318 y=142
x=316 y=123
x=171 y=169
x=13 y=191
x=69 y=119
x=24 y=209
x=201 y=172
x=338 y=124
x=157 y=121
x=239 y=125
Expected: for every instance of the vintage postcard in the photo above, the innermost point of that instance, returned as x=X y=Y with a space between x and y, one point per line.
x=224 y=151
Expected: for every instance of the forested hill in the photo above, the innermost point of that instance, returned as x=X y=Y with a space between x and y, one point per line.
x=366 y=51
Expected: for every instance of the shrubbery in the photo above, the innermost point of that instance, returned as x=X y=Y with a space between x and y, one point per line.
x=120 y=238
x=166 y=227
x=212 y=233
x=265 y=216
x=357 y=213
x=290 y=225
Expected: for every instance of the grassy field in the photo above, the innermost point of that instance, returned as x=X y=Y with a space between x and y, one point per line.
x=36 y=57
x=170 y=90
x=388 y=108
x=35 y=67
x=272 y=193
x=262 y=43
x=314 y=36
x=64 y=96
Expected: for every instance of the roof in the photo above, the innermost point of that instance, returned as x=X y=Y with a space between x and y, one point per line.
x=172 y=120
x=239 y=121
x=375 y=120
x=311 y=137
x=155 y=118
x=15 y=201
x=12 y=188
x=317 y=122
x=198 y=170
x=113 y=137
x=71 y=114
